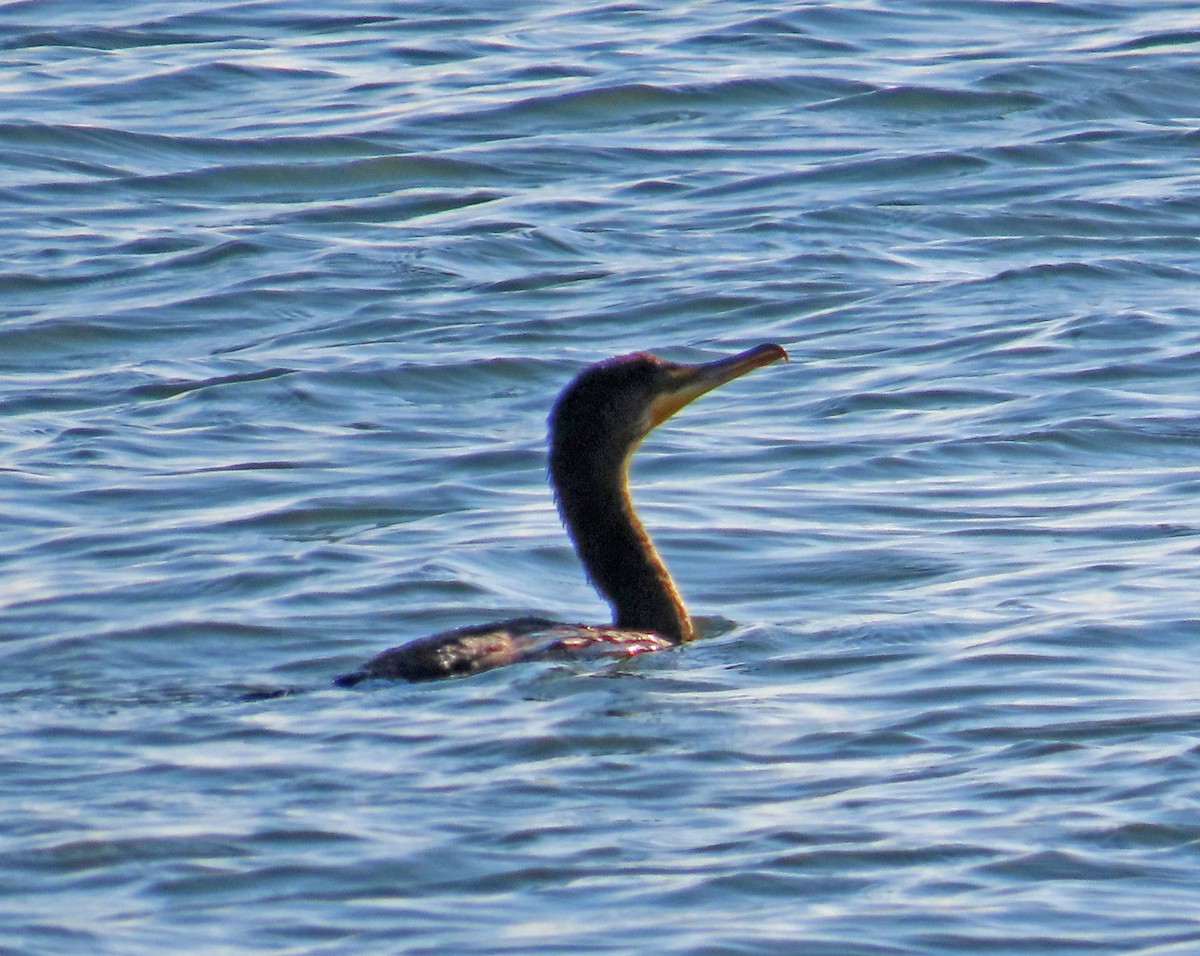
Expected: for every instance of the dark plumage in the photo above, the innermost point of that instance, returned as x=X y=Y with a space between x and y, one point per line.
x=597 y=423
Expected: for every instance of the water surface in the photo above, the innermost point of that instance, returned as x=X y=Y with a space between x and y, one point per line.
x=286 y=296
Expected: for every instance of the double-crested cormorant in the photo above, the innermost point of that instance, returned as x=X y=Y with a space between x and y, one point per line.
x=597 y=423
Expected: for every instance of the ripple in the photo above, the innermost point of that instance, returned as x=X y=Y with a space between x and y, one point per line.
x=287 y=297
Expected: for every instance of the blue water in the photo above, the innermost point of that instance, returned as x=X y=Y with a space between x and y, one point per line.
x=285 y=296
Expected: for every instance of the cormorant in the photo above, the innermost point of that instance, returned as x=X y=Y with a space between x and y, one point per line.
x=597 y=423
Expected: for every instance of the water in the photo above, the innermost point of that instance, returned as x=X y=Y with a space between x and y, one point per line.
x=286 y=297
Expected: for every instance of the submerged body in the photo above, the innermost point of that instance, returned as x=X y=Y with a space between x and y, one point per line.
x=597 y=423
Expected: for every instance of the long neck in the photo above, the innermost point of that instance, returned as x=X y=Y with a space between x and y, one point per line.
x=593 y=498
